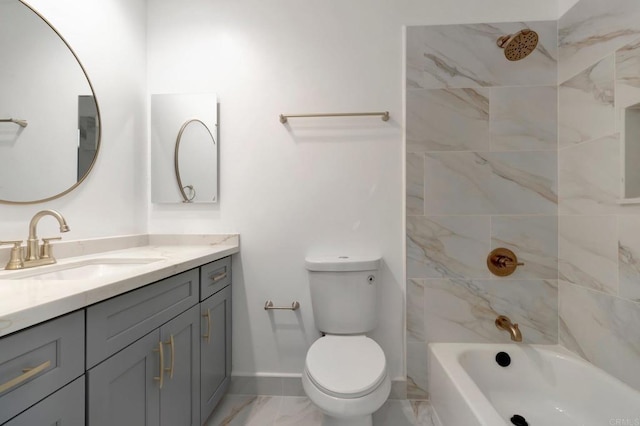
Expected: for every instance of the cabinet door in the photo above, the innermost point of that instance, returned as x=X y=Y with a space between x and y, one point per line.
x=123 y=390
x=63 y=408
x=180 y=395
x=216 y=349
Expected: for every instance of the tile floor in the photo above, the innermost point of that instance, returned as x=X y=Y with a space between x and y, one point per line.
x=251 y=410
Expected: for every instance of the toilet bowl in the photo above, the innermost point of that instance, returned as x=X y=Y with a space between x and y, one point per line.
x=346 y=378
x=345 y=372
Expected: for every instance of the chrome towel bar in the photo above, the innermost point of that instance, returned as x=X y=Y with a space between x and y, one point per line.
x=383 y=114
x=268 y=305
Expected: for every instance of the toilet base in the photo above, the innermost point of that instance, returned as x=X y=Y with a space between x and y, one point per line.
x=350 y=411
x=351 y=421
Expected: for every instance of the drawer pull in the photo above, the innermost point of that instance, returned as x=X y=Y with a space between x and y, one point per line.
x=208 y=333
x=218 y=277
x=160 y=379
x=27 y=373
x=173 y=356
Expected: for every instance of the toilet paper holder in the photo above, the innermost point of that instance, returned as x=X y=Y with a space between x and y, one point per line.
x=268 y=305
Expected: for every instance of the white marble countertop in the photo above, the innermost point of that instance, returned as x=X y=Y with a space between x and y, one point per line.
x=26 y=302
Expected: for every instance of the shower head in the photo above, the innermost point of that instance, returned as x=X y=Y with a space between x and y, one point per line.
x=519 y=45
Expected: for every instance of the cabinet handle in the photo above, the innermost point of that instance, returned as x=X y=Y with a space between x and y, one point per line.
x=27 y=373
x=218 y=277
x=173 y=356
x=160 y=350
x=208 y=333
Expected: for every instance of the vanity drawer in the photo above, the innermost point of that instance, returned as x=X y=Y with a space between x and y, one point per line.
x=54 y=353
x=214 y=277
x=116 y=323
x=63 y=408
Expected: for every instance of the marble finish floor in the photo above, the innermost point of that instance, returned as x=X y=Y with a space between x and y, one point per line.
x=252 y=410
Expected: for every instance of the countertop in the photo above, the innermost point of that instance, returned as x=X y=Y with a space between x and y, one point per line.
x=26 y=302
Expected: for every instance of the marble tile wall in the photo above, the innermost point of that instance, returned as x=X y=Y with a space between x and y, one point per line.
x=599 y=237
x=482 y=173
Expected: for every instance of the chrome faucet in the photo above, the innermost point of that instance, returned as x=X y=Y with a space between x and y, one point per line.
x=35 y=255
x=504 y=323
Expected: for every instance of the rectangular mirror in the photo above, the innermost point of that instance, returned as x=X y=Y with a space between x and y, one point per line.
x=184 y=148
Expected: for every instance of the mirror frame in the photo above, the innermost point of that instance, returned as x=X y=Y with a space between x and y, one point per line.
x=99 y=137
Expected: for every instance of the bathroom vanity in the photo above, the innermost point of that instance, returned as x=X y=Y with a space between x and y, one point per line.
x=147 y=344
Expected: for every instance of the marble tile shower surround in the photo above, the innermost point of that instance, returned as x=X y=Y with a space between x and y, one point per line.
x=592 y=30
x=482 y=164
x=590 y=178
x=599 y=288
x=602 y=329
x=627 y=84
x=482 y=119
x=629 y=257
x=587 y=104
x=491 y=183
x=588 y=251
x=466 y=56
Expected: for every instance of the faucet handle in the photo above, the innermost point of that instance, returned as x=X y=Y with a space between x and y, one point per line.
x=16 y=261
x=46 y=251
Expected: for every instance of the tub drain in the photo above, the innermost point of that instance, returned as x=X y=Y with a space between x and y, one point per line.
x=503 y=359
x=518 y=420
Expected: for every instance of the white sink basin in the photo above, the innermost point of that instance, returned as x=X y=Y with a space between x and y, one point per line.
x=81 y=270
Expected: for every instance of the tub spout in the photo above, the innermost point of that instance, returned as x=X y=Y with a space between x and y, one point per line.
x=504 y=323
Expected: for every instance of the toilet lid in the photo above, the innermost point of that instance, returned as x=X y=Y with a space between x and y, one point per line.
x=346 y=366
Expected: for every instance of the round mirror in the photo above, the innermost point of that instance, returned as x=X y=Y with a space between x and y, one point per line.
x=49 y=117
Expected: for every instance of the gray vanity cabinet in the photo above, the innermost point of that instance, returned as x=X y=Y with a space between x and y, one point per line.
x=180 y=395
x=64 y=408
x=159 y=355
x=215 y=349
x=36 y=362
x=139 y=387
x=123 y=389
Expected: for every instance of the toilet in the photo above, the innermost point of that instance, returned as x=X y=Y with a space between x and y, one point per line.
x=345 y=372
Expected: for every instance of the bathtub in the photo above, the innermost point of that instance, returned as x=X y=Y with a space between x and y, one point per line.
x=544 y=385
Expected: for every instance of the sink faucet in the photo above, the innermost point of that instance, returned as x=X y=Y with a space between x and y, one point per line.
x=35 y=255
x=504 y=323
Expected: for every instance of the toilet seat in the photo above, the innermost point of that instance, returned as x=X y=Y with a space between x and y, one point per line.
x=346 y=366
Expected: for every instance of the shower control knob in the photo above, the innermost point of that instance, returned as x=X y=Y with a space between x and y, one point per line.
x=502 y=262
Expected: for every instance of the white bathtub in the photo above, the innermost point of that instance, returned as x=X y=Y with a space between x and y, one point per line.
x=546 y=385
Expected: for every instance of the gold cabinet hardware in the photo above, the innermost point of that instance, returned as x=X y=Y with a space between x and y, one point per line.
x=169 y=370
x=16 y=261
x=502 y=262
x=160 y=378
x=207 y=335
x=27 y=373
x=218 y=277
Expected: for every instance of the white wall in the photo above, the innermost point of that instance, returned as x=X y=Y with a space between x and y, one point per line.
x=109 y=38
x=565 y=5
x=319 y=185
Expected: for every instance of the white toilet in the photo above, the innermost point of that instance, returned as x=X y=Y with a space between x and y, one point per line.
x=345 y=372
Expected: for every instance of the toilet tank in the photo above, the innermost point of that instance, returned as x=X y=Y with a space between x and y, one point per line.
x=343 y=293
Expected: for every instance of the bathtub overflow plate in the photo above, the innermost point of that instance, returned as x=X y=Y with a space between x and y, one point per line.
x=518 y=420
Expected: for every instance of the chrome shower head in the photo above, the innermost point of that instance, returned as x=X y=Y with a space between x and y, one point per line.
x=519 y=45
